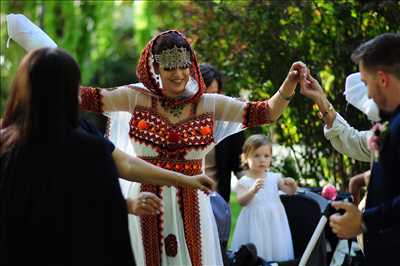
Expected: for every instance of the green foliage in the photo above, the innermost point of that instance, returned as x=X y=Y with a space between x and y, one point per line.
x=255 y=43
x=287 y=167
x=144 y=22
x=99 y=34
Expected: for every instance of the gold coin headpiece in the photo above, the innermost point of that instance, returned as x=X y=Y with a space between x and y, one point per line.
x=174 y=58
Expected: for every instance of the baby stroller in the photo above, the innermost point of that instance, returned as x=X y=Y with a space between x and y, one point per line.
x=307 y=214
x=304 y=211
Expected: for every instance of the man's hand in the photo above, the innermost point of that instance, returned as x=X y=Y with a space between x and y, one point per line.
x=356 y=183
x=312 y=89
x=146 y=203
x=347 y=225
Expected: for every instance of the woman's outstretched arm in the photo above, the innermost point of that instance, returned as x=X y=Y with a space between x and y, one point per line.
x=261 y=112
x=137 y=170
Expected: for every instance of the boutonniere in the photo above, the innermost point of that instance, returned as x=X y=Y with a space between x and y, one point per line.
x=380 y=132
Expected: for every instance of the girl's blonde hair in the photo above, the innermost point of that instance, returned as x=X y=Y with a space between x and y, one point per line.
x=251 y=144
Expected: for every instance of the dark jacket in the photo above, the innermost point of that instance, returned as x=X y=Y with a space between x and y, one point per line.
x=227 y=157
x=382 y=213
x=61 y=204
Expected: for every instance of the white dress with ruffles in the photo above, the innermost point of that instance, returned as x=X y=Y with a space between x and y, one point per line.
x=263 y=222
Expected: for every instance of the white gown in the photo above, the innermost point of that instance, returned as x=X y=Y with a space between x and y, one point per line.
x=264 y=223
x=173 y=223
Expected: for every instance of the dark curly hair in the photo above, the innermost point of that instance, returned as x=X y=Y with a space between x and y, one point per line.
x=168 y=41
x=209 y=73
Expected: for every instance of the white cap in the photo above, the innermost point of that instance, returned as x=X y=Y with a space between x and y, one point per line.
x=27 y=34
x=356 y=94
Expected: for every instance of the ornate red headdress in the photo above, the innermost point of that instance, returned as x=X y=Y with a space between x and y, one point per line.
x=145 y=73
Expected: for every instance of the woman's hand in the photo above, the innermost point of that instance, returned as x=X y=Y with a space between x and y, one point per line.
x=146 y=203
x=297 y=72
x=202 y=182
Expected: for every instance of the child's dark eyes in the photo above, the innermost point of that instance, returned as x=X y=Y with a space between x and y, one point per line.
x=265 y=156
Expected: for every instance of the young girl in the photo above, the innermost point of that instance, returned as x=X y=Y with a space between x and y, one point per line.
x=263 y=220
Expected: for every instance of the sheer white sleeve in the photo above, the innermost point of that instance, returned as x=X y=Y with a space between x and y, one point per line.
x=99 y=100
x=233 y=115
x=118 y=133
x=124 y=99
x=117 y=105
x=348 y=140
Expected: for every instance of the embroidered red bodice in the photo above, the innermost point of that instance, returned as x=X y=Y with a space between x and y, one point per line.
x=171 y=140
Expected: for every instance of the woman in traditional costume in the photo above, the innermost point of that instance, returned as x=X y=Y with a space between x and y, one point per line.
x=173 y=124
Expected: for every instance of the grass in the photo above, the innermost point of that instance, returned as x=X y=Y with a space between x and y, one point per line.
x=235 y=210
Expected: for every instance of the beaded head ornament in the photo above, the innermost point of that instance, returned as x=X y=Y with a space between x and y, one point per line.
x=170 y=58
x=173 y=58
